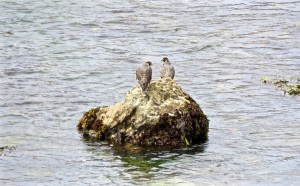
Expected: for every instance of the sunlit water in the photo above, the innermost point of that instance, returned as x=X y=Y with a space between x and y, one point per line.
x=60 y=58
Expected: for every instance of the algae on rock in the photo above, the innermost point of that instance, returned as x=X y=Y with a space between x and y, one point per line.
x=167 y=116
x=291 y=86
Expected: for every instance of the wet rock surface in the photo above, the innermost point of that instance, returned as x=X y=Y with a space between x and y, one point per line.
x=6 y=149
x=289 y=86
x=167 y=116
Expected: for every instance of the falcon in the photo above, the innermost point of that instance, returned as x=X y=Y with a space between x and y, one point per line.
x=144 y=75
x=166 y=69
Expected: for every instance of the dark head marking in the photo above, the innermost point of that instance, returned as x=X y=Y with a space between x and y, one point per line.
x=148 y=62
x=165 y=59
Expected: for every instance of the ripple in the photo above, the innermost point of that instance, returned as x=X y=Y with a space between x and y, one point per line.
x=62 y=58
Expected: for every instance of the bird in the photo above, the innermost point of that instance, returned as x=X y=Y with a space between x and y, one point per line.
x=144 y=75
x=166 y=69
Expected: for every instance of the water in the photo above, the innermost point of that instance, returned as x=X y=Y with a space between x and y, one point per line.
x=60 y=58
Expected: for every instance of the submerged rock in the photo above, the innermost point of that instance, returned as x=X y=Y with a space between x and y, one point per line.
x=5 y=149
x=167 y=116
x=291 y=86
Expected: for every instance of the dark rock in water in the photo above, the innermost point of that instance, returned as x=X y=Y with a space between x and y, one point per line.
x=4 y=149
x=166 y=116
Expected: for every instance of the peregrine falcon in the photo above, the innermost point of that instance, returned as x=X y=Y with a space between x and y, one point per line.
x=144 y=75
x=166 y=69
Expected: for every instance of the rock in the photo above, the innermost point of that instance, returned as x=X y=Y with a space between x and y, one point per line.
x=4 y=149
x=291 y=86
x=167 y=116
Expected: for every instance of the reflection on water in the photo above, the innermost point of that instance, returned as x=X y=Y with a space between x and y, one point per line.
x=140 y=163
x=60 y=58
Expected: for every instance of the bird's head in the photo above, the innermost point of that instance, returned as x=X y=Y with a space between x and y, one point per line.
x=165 y=60
x=148 y=63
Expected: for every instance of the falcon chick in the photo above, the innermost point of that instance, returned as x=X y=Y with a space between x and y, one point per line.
x=166 y=69
x=144 y=75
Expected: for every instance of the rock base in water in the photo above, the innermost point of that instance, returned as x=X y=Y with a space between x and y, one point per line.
x=166 y=116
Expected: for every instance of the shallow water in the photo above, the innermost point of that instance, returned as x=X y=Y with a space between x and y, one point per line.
x=60 y=58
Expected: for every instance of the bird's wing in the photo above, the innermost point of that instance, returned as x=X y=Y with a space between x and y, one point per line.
x=172 y=71
x=149 y=73
x=138 y=73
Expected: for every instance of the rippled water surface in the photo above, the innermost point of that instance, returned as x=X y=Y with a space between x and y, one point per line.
x=60 y=58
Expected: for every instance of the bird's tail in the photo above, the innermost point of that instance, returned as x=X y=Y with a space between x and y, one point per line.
x=144 y=84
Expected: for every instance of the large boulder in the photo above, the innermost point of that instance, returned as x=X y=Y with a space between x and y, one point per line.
x=166 y=116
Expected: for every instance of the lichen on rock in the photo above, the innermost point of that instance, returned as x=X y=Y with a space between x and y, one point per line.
x=166 y=116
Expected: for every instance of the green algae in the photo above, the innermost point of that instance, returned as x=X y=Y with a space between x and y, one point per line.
x=88 y=119
x=294 y=89
x=291 y=86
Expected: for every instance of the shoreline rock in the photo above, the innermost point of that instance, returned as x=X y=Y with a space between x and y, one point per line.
x=167 y=116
